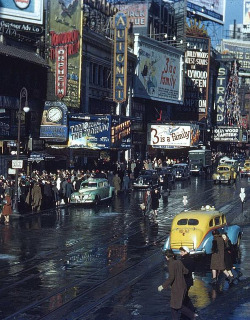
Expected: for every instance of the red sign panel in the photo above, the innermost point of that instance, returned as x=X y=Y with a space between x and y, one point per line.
x=61 y=71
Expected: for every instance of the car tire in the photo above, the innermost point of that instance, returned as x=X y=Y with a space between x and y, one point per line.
x=238 y=242
x=229 y=181
x=97 y=200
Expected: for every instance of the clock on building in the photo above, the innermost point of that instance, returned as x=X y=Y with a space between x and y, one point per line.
x=54 y=114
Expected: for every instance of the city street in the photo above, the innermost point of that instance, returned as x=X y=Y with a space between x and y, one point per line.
x=106 y=262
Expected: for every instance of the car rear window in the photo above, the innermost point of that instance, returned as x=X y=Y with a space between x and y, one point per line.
x=189 y=222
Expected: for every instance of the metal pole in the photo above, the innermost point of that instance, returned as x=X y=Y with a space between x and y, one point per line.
x=23 y=94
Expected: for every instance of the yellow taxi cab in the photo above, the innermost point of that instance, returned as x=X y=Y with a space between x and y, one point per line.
x=224 y=173
x=245 y=171
x=193 y=229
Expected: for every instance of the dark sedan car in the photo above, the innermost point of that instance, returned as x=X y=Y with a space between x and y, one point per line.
x=147 y=179
x=166 y=175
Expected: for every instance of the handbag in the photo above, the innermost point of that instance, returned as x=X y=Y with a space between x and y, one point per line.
x=142 y=206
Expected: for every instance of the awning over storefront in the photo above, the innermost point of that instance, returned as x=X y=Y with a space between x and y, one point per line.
x=15 y=52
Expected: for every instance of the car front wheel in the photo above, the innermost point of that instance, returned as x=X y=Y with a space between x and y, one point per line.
x=97 y=200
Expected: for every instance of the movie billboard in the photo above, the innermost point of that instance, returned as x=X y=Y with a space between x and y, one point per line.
x=159 y=74
x=99 y=132
x=209 y=9
x=173 y=136
x=65 y=46
x=22 y=10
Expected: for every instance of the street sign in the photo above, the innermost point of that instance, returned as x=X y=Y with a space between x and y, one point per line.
x=17 y=164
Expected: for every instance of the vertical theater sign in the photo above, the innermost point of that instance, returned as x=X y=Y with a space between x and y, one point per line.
x=65 y=42
x=120 y=57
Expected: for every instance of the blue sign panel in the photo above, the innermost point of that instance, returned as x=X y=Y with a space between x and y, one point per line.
x=91 y=132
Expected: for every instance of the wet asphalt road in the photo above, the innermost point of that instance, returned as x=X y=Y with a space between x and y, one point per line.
x=106 y=262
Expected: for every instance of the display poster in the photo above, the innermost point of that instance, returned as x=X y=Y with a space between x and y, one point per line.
x=169 y=136
x=197 y=60
x=30 y=11
x=158 y=72
x=65 y=37
x=210 y=9
x=246 y=13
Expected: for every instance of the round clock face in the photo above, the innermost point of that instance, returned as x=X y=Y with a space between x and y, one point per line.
x=55 y=114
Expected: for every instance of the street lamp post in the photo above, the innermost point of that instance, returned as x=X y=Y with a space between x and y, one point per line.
x=23 y=94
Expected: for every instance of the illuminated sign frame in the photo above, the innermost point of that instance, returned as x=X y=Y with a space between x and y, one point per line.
x=120 y=57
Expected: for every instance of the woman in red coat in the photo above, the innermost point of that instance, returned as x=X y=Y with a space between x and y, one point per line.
x=7 y=210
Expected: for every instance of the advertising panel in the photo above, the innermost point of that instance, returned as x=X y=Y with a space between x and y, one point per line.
x=65 y=25
x=120 y=57
x=240 y=50
x=246 y=12
x=22 y=10
x=54 y=121
x=173 y=136
x=227 y=134
x=99 y=132
x=197 y=59
x=137 y=14
x=221 y=85
x=158 y=72
x=210 y=9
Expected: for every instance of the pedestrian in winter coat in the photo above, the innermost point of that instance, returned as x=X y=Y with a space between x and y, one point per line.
x=7 y=210
x=125 y=183
x=155 y=201
x=117 y=183
x=36 y=197
x=68 y=190
x=217 y=258
x=178 y=287
x=228 y=253
x=147 y=202
x=47 y=195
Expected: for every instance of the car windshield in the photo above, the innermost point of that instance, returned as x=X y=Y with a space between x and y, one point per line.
x=223 y=169
x=89 y=184
x=189 y=222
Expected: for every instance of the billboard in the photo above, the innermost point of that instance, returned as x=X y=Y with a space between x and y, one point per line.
x=65 y=46
x=227 y=134
x=22 y=10
x=246 y=12
x=159 y=74
x=239 y=50
x=173 y=136
x=210 y=9
x=197 y=60
x=99 y=132
x=137 y=14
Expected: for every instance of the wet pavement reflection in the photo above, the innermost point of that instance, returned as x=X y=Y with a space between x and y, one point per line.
x=106 y=262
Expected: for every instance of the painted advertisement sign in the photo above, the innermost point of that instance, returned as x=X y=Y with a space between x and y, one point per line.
x=197 y=59
x=221 y=85
x=227 y=134
x=99 y=132
x=120 y=57
x=158 y=72
x=54 y=121
x=246 y=12
x=169 y=136
x=65 y=25
x=137 y=14
x=210 y=9
x=240 y=50
x=30 y=11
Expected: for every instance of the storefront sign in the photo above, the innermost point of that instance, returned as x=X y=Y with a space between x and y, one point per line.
x=158 y=72
x=120 y=57
x=227 y=134
x=173 y=135
x=120 y=132
x=197 y=58
x=61 y=71
x=64 y=21
x=30 y=11
x=11 y=28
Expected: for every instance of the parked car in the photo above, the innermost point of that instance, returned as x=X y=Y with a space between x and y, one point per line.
x=193 y=229
x=93 y=190
x=182 y=171
x=166 y=174
x=224 y=173
x=147 y=178
x=245 y=171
